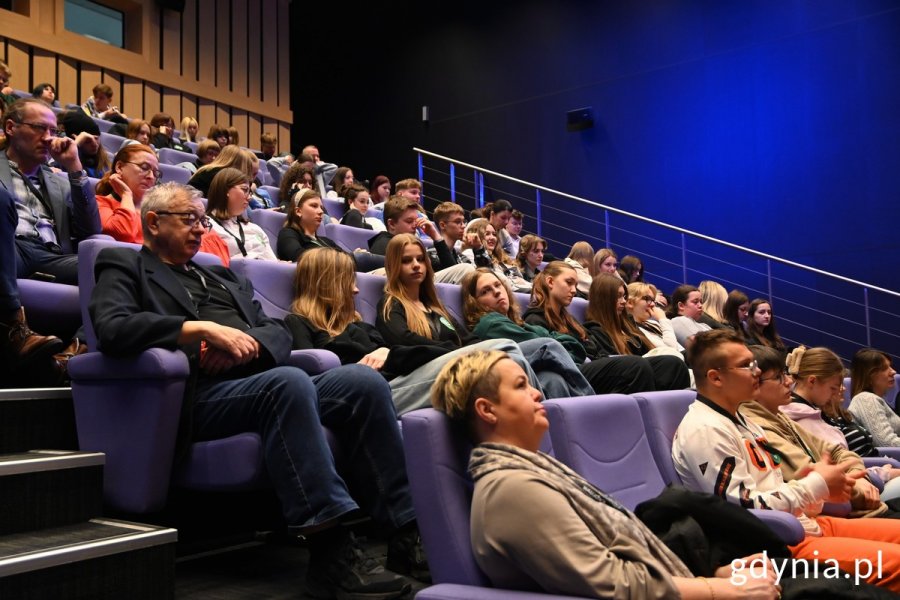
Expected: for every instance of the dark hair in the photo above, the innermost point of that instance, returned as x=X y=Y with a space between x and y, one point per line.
x=498 y=206
x=337 y=180
x=768 y=335
x=768 y=358
x=628 y=265
x=376 y=183
x=39 y=89
x=298 y=199
x=294 y=174
x=602 y=309
x=217 y=197
x=735 y=299
x=681 y=294
x=350 y=192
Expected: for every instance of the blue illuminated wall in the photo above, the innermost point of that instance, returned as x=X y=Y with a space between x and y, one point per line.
x=774 y=124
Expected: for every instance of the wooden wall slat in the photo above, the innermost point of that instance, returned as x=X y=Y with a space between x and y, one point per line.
x=43 y=68
x=67 y=84
x=18 y=62
x=239 y=120
x=189 y=109
x=153 y=26
x=90 y=76
x=152 y=102
x=189 y=41
x=284 y=75
x=223 y=44
x=270 y=48
x=254 y=128
x=171 y=44
x=132 y=97
x=171 y=104
x=206 y=115
x=223 y=117
x=207 y=17
x=284 y=137
x=254 y=50
x=239 y=47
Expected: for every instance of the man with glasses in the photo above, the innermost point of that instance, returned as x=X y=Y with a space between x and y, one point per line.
x=54 y=213
x=159 y=298
x=44 y=216
x=718 y=450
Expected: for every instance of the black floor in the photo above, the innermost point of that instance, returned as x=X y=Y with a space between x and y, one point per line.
x=248 y=571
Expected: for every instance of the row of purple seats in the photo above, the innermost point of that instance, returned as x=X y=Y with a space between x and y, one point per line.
x=621 y=444
x=129 y=409
x=170 y=156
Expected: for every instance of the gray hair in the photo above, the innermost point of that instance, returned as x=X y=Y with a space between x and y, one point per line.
x=159 y=197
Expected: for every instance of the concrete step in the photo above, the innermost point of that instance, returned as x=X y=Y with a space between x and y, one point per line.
x=97 y=559
x=49 y=488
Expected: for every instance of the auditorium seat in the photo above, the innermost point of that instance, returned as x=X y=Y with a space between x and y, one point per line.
x=171 y=173
x=371 y=290
x=129 y=408
x=661 y=414
x=170 y=156
x=349 y=238
x=111 y=142
x=441 y=488
x=273 y=193
x=334 y=208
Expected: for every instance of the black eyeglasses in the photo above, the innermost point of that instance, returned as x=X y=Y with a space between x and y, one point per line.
x=145 y=169
x=779 y=378
x=190 y=219
x=648 y=299
x=42 y=129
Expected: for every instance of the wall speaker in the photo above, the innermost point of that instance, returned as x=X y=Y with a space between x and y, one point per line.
x=579 y=119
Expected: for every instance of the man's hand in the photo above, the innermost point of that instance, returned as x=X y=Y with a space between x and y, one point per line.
x=234 y=342
x=214 y=361
x=89 y=143
x=867 y=493
x=65 y=152
x=428 y=228
x=840 y=483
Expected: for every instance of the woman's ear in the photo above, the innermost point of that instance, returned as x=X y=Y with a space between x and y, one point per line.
x=484 y=410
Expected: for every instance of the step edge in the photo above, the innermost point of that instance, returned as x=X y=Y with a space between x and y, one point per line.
x=51 y=462
x=20 y=394
x=45 y=559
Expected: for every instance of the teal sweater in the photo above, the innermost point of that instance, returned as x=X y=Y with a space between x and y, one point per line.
x=493 y=326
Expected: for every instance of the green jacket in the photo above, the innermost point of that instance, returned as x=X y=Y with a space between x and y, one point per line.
x=493 y=326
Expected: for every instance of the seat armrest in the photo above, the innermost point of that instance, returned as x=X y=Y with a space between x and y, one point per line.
x=784 y=525
x=314 y=362
x=129 y=409
x=892 y=452
x=456 y=591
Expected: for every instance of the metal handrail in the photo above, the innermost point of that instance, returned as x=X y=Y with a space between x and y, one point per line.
x=681 y=230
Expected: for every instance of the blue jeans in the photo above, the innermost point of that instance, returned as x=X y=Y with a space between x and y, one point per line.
x=9 y=218
x=287 y=409
x=33 y=257
x=555 y=369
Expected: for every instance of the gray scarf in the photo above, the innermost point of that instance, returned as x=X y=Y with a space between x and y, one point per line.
x=603 y=515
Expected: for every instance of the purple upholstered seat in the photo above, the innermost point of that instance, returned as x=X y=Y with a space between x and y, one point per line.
x=129 y=408
x=170 y=156
x=273 y=192
x=450 y=295
x=271 y=222
x=111 y=142
x=436 y=461
x=661 y=414
x=349 y=238
x=50 y=308
x=334 y=208
x=170 y=173
x=371 y=289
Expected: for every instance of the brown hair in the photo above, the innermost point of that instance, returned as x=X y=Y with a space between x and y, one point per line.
x=323 y=290
x=474 y=310
x=866 y=362
x=768 y=335
x=602 y=300
x=706 y=352
x=293 y=219
x=396 y=206
x=558 y=318
x=217 y=197
x=125 y=154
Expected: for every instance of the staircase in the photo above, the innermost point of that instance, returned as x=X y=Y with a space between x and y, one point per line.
x=54 y=541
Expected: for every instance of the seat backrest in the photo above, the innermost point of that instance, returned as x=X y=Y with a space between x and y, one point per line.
x=273 y=283
x=273 y=192
x=436 y=461
x=274 y=174
x=602 y=438
x=102 y=124
x=170 y=156
x=87 y=257
x=349 y=238
x=890 y=396
x=662 y=413
x=170 y=173
x=578 y=309
x=271 y=221
x=371 y=289
x=111 y=142
x=450 y=295
x=334 y=208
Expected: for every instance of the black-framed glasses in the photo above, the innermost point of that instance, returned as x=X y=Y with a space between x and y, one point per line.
x=752 y=367
x=43 y=128
x=190 y=219
x=649 y=299
x=779 y=378
x=145 y=169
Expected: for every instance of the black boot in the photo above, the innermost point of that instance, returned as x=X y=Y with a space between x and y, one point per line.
x=338 y=568
x=406 y=554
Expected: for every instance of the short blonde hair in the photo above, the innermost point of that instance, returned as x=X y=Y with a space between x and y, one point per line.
x=462 y=381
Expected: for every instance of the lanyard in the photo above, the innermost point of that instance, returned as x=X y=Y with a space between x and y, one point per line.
x=239 y=240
